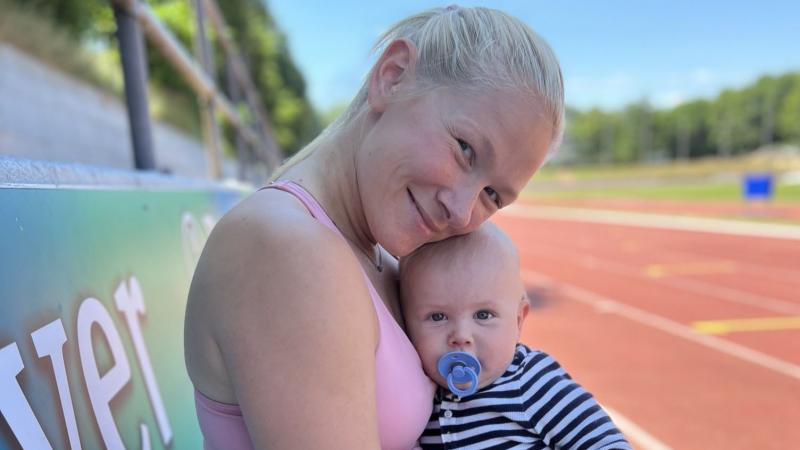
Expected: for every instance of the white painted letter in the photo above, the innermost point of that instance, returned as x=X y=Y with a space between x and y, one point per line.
x=208 y=224
x=49 y=341
x=145 y=436
x=13 y=404
x=130 y=302
x=102 y=389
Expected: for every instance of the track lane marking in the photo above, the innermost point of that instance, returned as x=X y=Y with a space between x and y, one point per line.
x=775 y=274
x=638 y=245
x=635 y=433
x=698 y=287
x=643 y=317
x=710 y=267
x=664 y=221
x=720 y=327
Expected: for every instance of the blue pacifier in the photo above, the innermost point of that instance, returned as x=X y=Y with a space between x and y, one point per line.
x=460 y=368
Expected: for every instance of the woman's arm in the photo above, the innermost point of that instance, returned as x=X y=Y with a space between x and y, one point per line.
x=296 y=330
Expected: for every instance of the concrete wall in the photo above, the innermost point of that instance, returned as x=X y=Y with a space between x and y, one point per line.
x=47 y=115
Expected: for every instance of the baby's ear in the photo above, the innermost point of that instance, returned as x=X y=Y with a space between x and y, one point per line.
x=522 y=312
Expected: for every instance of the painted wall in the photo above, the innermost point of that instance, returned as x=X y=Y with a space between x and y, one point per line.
x=93 y=286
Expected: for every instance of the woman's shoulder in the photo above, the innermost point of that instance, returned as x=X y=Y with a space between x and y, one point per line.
x=271 y=227
x=269 y=251
x=270 y=211
x=267 y=261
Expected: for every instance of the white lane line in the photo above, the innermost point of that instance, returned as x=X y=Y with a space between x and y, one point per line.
x=733 y=295
x=698 y=287
x=636 y=434
x=664 y=221
x=608 y=305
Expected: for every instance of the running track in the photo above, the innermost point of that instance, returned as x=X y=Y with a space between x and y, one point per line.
x=622 y=307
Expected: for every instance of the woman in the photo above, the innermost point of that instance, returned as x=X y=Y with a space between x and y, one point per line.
x=293 y=328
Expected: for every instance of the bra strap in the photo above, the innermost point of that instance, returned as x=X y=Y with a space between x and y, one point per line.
x=311 y=204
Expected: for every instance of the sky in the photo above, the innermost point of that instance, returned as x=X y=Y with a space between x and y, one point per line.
x=612 y=53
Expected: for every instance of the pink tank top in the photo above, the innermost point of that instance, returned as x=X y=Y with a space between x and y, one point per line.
x=404 y=394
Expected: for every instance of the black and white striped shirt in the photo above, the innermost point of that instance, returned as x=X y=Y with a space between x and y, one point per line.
x=533 y=405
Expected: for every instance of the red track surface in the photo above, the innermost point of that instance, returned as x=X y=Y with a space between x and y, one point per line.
x=685 y=394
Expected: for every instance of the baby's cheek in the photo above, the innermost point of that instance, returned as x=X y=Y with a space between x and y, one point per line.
x=428 y=349
x=429 y=364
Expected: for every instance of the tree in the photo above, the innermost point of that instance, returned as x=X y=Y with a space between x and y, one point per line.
x=588 y=132
x=737 y=121
x=691 y=127
x=788 y=116
x=635 y=133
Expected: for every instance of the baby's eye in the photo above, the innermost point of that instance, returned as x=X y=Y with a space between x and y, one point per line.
x=469 y=153
x=483 y=315
x=493 y=195
x=438 y=317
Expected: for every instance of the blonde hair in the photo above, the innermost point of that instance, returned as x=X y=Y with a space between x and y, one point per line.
x=471 y=48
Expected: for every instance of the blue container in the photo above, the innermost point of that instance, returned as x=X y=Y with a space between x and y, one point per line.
x=757 y=186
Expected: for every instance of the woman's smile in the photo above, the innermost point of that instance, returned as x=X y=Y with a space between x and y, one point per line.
x=424 y=221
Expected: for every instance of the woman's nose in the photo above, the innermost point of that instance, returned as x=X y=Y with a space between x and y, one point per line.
x=459 y=206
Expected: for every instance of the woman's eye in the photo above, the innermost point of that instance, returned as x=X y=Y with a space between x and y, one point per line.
x=467 y=150
x=438 y=317
x=493 y=195
x=483 y=315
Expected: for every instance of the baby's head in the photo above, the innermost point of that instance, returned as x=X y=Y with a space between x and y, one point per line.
x=465 y=293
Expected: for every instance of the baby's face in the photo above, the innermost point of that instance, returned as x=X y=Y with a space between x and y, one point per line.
x=475 y=306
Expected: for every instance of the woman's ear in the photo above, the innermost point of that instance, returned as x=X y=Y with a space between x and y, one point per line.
x=395 y=66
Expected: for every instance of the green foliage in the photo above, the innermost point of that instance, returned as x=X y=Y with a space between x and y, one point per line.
x=73 y=14
x=281 y=85
x=788 y=121
x=35 y=32
x=691 y=136
x=635 y=135
x=79 y=18
x=588 y=133
x=736 y=122
x=261 y=43
x=327 y=117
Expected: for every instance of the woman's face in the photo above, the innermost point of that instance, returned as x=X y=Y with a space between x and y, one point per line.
x=439 y=164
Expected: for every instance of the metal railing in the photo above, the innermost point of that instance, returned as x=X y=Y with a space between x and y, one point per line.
x=134 y=17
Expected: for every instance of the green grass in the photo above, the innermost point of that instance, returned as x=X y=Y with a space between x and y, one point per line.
x=722 y=192
x=708 y=179
x=777 y=159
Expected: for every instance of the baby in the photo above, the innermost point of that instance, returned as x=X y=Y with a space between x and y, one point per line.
x=465 y=294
